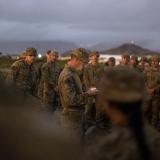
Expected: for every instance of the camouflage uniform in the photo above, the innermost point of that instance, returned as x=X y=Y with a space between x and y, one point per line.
x=121 y=89
x=81 y=72
x=92 y=75
x=38 y=65
x=153 y=87
x=49 y=80
x=23 y=76
x=134 y=63
x=143 y=65
x=120 y=145
x=2 y=79
x=72 y=96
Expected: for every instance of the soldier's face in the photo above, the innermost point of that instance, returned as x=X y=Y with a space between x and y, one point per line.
x=94 y=58
x=125 y=60
x=133 y=61
x=155 y=63
x=111 y=63
x=53 y=57
x=30 y=58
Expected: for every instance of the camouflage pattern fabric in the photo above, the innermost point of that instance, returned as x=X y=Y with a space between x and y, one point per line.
x=49 y=80
x=39 y=85
x=92 y=75
x=23 y=76
x=72 y=98
x=153 y=87
x=121 y=145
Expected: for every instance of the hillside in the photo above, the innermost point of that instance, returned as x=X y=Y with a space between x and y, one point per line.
x=130 y=49
x=10 y=47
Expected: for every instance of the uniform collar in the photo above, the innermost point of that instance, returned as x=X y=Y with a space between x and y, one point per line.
x=70 y=68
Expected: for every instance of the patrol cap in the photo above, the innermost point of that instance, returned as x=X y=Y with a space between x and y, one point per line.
x=122 y=84
x=94 y=53
x=80 y=53
x=54 y=52
x=30 y=52
x=23 y=54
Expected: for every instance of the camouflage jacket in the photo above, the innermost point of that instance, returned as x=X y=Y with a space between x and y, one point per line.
x=2 y=79
x=70 y=89
x=23 y=76
x=143 y=67
x=50 y=74
x=136 y=67
x=92 y=74
x=153 y=80
x=120 y=145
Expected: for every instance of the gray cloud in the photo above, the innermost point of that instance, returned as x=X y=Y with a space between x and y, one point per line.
x=82 y=21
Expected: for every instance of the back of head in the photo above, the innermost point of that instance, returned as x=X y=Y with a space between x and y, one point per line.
x=26 y=133
x=80 y=53
x=122 y=84
x=124 y=89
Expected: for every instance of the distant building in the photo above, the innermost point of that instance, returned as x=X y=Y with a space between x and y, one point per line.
x=104 y=58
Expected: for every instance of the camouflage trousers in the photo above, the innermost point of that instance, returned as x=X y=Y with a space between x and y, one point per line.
x=71 y=120
x=93 y=111
x=40 y=90
x=90 y=110
x=49 y=99
x=154 y=109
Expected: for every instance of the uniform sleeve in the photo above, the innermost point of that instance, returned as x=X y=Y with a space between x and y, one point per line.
x=15 y=68
x=157 y=87
x=86 y=78
x=46 y=75
x=70 y=95
x=1 y=78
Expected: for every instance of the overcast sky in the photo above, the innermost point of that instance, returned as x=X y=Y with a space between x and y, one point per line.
x=82 y=21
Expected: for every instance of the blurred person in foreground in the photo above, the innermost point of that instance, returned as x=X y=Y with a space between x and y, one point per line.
x=27 y=134
x=122 y=92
